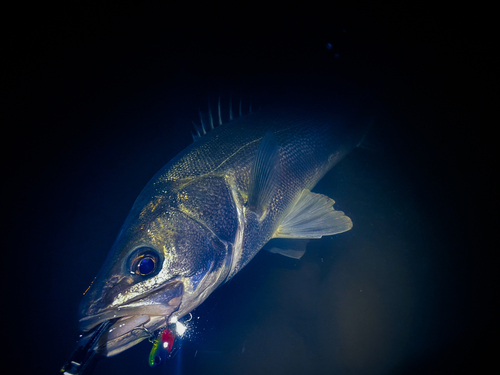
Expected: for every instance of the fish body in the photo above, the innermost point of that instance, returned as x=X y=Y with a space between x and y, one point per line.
x=209 y=211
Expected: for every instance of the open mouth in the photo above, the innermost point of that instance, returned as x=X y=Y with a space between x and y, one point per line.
x=128 y=315
x=129 y=321
x=125 y=325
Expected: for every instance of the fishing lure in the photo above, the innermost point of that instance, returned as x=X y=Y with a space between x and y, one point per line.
x=163 y=344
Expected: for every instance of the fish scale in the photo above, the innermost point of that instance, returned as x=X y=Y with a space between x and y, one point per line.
x=210 y=210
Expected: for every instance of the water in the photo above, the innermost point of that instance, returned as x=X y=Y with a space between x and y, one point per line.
x=393 y=295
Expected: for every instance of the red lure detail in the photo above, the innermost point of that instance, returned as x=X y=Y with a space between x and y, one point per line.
x=167 y=339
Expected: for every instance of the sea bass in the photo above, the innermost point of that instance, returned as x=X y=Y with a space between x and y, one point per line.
x=209 y=211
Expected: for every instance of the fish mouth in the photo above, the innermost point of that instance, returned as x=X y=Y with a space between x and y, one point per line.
x=144 y=311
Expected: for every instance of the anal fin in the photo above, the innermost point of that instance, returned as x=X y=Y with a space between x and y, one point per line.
x=291 y=248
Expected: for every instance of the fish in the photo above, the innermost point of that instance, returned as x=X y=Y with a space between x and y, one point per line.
x=241 y=186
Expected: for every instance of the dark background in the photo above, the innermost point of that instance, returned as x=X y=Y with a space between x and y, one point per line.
x=100 y=97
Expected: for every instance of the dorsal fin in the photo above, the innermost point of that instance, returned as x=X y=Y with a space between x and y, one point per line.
x=220 y=116
x=230 y=107
x=207 y=120
x=210 y=115
x=203 y=129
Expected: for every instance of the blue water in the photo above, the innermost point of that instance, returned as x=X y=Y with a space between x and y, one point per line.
x=393 y=295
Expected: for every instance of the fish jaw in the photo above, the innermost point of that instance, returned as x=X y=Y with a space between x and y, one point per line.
x=134 y=320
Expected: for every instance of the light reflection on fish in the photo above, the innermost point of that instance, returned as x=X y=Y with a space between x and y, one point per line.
x=210 y=210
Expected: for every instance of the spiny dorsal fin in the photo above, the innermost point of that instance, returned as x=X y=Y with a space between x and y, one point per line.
x=230 y=107
x=313 y=216
x=220 y=116
x=210 y=115
x=204 y=127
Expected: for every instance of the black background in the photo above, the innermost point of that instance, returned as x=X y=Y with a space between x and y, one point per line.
x=100 y=97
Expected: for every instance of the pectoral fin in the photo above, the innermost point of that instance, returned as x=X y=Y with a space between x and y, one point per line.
x=313 y=216
x=264 y=177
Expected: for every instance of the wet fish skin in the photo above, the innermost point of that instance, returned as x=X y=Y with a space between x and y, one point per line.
x=209 y=211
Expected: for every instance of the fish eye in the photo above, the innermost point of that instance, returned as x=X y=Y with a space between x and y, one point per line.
x=145 y=262
x=146 y=266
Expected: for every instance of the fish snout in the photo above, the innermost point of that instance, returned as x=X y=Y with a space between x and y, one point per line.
x=160 y=302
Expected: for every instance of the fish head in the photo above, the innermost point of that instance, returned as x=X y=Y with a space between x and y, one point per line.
x=162 y=264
